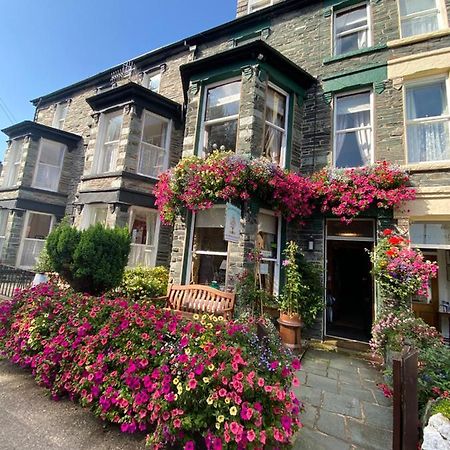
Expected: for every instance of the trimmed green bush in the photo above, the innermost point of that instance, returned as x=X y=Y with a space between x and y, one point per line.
x=442 y=406
x=141 y=283
x=91 y=260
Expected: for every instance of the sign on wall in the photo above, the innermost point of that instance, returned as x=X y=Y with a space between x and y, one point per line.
x=232 y=223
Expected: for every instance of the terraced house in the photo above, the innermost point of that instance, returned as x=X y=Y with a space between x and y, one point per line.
x=307 y=84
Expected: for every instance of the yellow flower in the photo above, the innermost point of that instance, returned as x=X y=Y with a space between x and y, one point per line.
x=176 y=381
x=188 y=388
x=187 y=351
x=233 y=410
x=227 y=400
x=180 y=388
x=196 y=317
x=206 y=380
x=211 y=367
x=214 y=318
x=220 y=419
x=218 y=425
x=209 y=400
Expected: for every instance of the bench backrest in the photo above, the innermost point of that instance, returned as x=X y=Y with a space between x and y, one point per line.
x=196 y=298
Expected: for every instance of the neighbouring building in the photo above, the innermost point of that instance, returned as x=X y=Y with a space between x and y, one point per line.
x=307 y=84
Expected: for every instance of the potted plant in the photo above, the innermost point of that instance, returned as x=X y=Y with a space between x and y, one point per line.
x=294 y=292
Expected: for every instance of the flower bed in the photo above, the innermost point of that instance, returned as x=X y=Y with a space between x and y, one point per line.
x=197 y=183
x=206 y=383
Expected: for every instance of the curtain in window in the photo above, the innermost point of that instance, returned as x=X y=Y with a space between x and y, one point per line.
x=363 y=137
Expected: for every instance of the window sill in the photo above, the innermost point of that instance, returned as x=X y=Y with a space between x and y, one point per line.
x=94 y=176
x=362 y=51
x=418 y=38
x=428 y=166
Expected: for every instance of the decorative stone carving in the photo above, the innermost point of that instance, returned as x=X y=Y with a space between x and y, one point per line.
x=194 y=88
x=327 y=97
x=128 y=109
x=397 y=83
x=379 y=86
x=95 y=118
x=249 y=71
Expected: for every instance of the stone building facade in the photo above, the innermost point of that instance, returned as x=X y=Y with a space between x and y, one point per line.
x=309 y=84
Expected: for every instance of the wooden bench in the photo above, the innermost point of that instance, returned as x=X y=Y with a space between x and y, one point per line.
x=197 y=299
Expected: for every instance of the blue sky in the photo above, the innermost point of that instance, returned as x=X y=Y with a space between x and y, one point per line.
x=49 y=44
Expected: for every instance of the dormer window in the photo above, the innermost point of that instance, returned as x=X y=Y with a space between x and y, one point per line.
x=60 y=115
x=256 y=5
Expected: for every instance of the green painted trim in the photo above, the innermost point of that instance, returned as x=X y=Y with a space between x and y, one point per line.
x=361 y=51
x=245 y=30
x=290 y=132
x=186 y=247
x=355 y=79
x=361 y=68
x=282 y=80
x=220 y=74
x=336 y=5
x=199 y=120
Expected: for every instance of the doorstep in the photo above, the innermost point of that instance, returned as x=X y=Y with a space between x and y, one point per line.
x=354 y=348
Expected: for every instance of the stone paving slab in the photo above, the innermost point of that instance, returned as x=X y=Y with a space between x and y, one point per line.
x=344 y=409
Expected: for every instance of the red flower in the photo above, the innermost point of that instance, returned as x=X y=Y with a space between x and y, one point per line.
x=387 y=232
x=395 y=240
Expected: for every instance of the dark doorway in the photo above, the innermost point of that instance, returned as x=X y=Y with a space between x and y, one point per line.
x=349 y=308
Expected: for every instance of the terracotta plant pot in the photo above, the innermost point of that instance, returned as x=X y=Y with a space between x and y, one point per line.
x=290 y=327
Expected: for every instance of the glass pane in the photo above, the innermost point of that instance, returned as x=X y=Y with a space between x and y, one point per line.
x=223 y=101
x=429 y=100
x=430 y=233
x=153 y=81
x=209 y=268
x=221 y=134
x=419 y=25
x=349 y=20
x=30 y=252
x=428 y=141
x=209 y=239
x=99 y=215
x=106 y=163
x=151 y=160
x=273 y=143
x=38 y=226
x=3 y=221
x=154 y=131
x=139 y=229
x=267 y=276
x=47 y=177
x=413 y=6
x=353 y=149
x=351 y=42
x=276 y=108
x=358 y=228
x=51 y=153
x=113 y=126
x=353 y=111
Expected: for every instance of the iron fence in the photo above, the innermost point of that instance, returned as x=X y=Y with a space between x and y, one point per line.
x=12 y=278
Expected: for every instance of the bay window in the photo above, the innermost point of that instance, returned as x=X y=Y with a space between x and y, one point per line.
x=4 y=213
x=353 y=140
x=275 y=126
x=256 y=5
x=108 y=141
x=49 y=165
x=351 y=29
x=37 y=228
x=209 y=249
x=152 y=80
x=13 y=158
x=144 y=225
x=153 y=151
x=60 y=115
x=428 y=121
x=93 y=214
x=420 y=16
x=221 y=115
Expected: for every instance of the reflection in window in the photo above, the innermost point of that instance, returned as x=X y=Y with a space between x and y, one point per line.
x=427 y=122
x=275 y=126
x=353 y=130
x=419 y=16
x=49 y=166
x=108 y=141
x=351 y=29
x=221 y=117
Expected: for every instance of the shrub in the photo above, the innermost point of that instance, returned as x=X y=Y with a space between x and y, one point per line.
x=91 y=260
x=44 y=263
x=141 y=283
x=206 y=382
x=442 y=406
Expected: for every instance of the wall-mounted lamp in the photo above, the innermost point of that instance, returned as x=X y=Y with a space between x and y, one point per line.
x=310 y=244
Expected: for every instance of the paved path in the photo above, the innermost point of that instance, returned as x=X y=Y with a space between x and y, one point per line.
x=344 y=408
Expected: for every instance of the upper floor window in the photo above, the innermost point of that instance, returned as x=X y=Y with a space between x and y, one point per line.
x=108 y=141
x=49 y=165
x=60 y=115
x=351 y=29
x=152 y=80
x=353 y=130
x=255 y=5
x=419 y=16
x=428 y=121
x=220 y=119
x=154 y=146
x=275 y=126
x=11 y=171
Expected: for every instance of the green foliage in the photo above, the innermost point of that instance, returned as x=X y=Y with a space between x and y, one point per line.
x=44 y=263
x=442 y=406
x=141 y=283
x=100 y=258
x=91 y=260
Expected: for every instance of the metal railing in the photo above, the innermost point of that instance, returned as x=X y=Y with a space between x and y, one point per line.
x=12 y=278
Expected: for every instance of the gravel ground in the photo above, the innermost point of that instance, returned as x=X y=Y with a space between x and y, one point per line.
x=30 y=420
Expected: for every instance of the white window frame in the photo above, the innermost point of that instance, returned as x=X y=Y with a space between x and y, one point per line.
x=60 y=114
x=367 y=27
x=100 y=142
x=253 y=5
x=166 y=147
x=284 y=130
x=4 y=217
x=203 y=252
x=148 y=74
x=418 y=83
x=277 y=260
x=13 y=167
x=204 y=122
x=24 y=232
x=442 y=19
x=372 y=124
x=88 y=214
x=38 y=163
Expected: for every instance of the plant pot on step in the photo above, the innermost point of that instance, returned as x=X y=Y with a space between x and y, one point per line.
x=290 y=327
